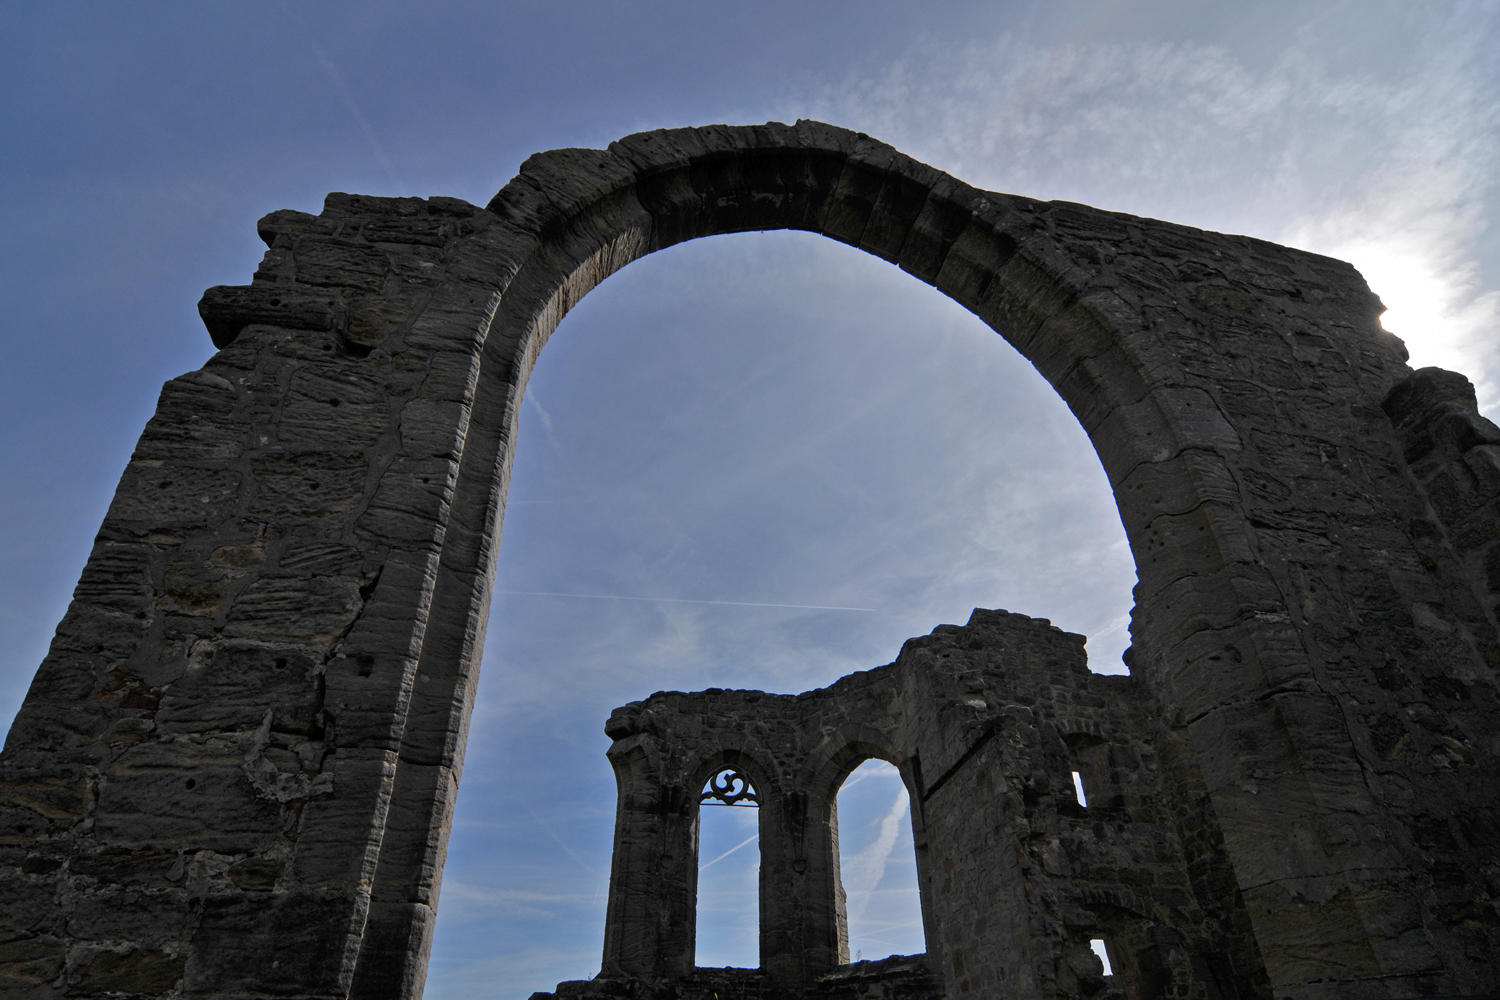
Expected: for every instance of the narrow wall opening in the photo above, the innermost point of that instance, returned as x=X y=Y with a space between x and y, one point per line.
x=728 y=928
x=1090 y=775
x=1099 y=948
x=878 y=864
x=1079 y=793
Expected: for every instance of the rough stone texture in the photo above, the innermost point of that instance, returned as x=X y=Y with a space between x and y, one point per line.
x=900 y=977
x=896 y=978
x=237 y=764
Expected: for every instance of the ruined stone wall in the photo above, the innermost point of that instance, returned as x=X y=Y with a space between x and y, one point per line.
x=191 y=781
x=235 y=770
x=1005 y=835
x=986 y=722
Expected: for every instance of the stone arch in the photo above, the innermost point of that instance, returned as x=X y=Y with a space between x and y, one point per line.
x=573 y=217
x=1231 y=388
x=826 y=771
x=837 y=758
x=841 y=900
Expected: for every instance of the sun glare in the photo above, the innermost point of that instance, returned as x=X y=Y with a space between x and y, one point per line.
x=1431 y=304
x=1421 y=264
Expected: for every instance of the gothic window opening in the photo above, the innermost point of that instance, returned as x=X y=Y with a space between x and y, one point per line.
x=728 y=928
x=878 y=864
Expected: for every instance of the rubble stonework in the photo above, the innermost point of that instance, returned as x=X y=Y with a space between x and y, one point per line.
x=234 y=772
x=987 y=723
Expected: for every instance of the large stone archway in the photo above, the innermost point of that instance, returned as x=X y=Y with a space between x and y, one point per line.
x=236 y=767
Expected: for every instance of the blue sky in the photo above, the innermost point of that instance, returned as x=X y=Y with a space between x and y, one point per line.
x=766 y=419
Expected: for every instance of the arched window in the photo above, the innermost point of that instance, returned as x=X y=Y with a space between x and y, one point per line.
x=728 y=931
x=878 y=864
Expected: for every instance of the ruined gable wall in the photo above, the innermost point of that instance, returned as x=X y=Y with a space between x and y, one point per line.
x=1288 y=609
x=986 y=722
x=1003 y=805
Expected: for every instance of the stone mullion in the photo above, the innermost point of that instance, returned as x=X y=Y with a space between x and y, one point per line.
x=813 y=900
x=653 y=869
x=788 y=945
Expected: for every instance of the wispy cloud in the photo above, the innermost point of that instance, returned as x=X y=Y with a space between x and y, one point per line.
x=567 y=849
x=1394 y=172
x=680 y=600
x=748 y=840
x=863 y=871
x=477 y=900
x=533 y=400
x=346 y=96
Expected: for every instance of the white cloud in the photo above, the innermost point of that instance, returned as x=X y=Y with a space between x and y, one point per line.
x=1393 y=171
x=863 y=871
x=468 y=898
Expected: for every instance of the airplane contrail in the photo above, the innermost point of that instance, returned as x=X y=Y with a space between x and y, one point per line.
x=727 y=853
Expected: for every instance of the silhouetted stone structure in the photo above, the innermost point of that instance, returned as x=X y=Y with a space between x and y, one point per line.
x=234 y=772
x=987 y=723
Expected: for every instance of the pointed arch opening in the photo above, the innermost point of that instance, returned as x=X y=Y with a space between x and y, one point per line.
x=727 y=931
x=794 y=361
x=878 y=893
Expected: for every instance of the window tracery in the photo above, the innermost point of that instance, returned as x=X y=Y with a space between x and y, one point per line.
x=729 y=787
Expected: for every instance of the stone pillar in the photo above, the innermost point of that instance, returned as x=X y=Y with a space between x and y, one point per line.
x=653 y=881
x=782 y=923
x=228 y=693
x=816 y=888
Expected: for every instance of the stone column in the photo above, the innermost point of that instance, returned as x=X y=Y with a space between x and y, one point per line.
x=653 y=880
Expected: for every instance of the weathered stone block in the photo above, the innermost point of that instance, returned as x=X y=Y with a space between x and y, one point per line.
x=242 y=685
x=278 y=944
x=185 y=796
x=132 y=972
x=291 y=609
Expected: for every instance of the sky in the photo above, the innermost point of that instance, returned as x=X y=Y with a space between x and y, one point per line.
x=761 y=460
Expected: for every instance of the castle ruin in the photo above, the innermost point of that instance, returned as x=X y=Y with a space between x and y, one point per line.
x=234 y=773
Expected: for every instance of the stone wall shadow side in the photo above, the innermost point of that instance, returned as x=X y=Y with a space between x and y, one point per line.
x=352 y=444
x=1016 y=876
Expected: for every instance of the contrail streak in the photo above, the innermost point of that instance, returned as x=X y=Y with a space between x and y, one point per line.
x=868 y=866
x=561 y=843
x=680 y=600
x=727 y=853
x=338 y=82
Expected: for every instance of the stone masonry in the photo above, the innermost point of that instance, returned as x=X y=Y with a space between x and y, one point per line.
x=234 y=772
x=986 y=722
